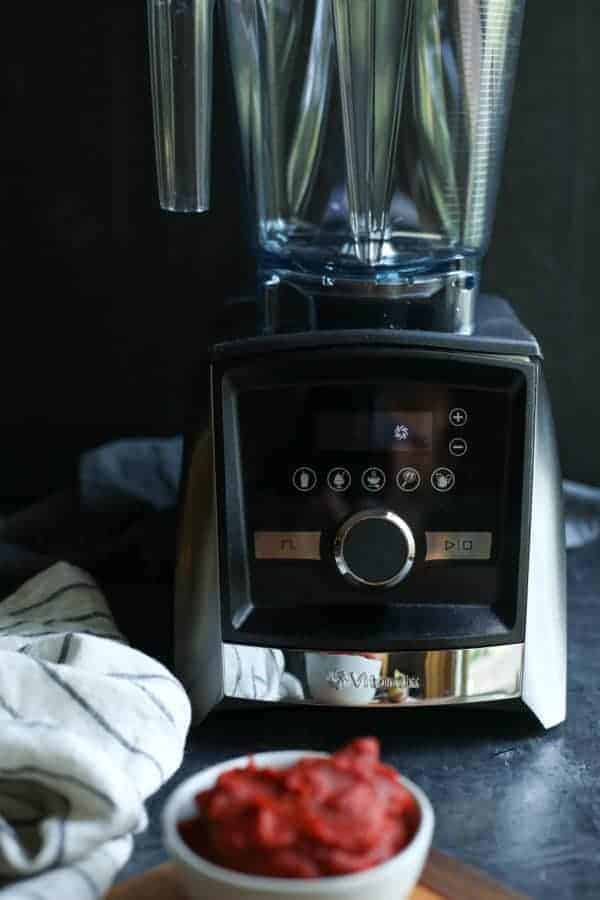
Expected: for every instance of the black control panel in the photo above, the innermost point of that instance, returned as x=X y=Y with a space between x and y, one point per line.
x=375 y=491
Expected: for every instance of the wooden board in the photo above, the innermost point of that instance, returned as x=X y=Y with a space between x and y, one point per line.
x=444 y=878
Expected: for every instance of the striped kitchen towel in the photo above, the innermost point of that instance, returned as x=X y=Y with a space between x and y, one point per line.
x=89 y=728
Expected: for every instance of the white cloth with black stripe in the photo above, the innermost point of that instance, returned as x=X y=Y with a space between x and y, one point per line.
x=89 y=728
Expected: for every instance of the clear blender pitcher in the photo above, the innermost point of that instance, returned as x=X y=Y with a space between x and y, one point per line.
x=372 y=134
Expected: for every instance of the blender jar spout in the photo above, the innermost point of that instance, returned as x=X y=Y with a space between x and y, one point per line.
x=181 y=52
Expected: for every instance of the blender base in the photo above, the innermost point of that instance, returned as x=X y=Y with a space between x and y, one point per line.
x=403 y=670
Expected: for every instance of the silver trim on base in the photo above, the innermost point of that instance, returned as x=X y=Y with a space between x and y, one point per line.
x=545 y=661
x=394 y=679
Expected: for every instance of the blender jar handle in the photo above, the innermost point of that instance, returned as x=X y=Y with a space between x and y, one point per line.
x=181 y=62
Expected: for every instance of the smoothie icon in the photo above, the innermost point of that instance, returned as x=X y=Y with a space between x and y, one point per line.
x=304 y=479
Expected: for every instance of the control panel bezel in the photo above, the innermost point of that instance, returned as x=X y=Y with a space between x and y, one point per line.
x=408 y=628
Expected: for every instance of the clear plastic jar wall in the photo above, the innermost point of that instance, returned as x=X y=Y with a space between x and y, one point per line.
x=373 y=130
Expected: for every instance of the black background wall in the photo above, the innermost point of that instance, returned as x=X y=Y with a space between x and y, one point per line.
x=109 y=304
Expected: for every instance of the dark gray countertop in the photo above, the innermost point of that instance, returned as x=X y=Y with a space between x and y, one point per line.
x=518 y=802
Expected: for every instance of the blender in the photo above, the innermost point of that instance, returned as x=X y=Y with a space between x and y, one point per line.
x=372 y=516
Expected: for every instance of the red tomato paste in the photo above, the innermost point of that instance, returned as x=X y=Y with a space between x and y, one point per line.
x=322 y=816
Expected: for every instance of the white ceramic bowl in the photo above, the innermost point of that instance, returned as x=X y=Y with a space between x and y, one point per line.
x=392 y=880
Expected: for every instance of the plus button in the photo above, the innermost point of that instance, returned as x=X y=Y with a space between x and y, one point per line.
x=458 y=417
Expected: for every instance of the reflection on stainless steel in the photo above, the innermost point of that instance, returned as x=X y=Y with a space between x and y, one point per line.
x=328 y=680
x=420 y=678
x=458 y=545
x=372 y=42
x=196 y=607
x=545 y=664
x=258 y=673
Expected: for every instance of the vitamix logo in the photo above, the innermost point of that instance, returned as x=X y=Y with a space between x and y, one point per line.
x=342 y=678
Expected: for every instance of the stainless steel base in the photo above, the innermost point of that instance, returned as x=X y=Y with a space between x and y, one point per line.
x=426 y=678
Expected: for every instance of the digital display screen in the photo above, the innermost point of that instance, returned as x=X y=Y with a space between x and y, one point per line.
x=395 y=431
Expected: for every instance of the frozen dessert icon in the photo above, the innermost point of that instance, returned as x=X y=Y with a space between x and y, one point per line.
x=339 y=480
x=443 y=480
x=304 y=479
x=373 y=479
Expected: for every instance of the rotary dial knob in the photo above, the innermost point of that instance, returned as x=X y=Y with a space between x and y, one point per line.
x=374 y=548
